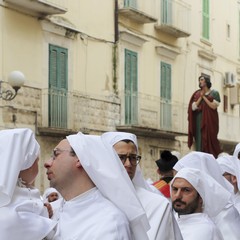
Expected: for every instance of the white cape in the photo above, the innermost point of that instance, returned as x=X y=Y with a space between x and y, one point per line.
x=228 y=221
x=25 y=217
x=198 y=226
x=237 y=201
x=160 y=216
x=90 y=216
x=111 y=178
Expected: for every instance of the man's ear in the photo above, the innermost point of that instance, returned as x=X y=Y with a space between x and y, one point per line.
x=78 y=164
x=234 y=179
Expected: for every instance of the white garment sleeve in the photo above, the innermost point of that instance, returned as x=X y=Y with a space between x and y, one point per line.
x=194 y=106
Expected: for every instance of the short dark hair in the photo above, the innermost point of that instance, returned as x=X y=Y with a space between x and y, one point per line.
x=127 y=141
x=207 y=80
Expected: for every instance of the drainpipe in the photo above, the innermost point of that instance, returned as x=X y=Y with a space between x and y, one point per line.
x=116 y=38
x=116 y=34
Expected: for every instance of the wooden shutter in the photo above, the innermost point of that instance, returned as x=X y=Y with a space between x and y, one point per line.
x=58 y=86
x=58 y=67
x=166 y=81
x=131 y=87
x=205 y=17
x=166 y=11
x=130 y=3
x=165 y=91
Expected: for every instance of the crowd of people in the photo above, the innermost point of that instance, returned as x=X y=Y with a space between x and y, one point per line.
x=98 y=192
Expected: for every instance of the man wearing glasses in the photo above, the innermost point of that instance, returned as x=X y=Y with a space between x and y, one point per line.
x=82 y=170
x=157 y=207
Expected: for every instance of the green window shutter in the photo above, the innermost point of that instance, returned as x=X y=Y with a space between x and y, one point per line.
x=131 y=87
x=58 y=87
x=205 y=16
x=63 y=69
x=58 y=58
x=52 y=67
x=165 y=104
x=166 y=81
x=166 y=12
x=130 y=3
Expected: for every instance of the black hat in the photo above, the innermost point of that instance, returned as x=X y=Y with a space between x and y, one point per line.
x=167 y=161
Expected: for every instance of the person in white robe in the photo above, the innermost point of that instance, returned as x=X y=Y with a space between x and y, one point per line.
x=236 y=152
x=193 y=195
x=53 y=197
x=22 y=212
x=139 y=180
x=82 y=170
x=230 y=166
x=157 y=207
x=228 y=220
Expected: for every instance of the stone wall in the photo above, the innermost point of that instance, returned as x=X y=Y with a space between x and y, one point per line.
x=89 y=114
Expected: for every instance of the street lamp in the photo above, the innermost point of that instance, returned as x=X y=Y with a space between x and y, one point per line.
x=15 y=80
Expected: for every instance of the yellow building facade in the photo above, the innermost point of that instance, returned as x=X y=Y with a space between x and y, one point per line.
x=123 y=65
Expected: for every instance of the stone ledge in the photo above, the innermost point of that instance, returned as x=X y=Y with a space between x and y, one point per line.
x=55 y=132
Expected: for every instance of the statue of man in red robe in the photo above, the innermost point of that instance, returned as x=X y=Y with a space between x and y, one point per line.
x=203 y=122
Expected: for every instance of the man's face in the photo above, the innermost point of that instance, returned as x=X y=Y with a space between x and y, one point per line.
x=202 y=82
x=52 y=197
x=29 y=175
x=61 y=166
x=123 y=148
x=185 y=199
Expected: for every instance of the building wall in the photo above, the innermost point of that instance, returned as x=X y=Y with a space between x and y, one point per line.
x=25 y=39
x=96 y=71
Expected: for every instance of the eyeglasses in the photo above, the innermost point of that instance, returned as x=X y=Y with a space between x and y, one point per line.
x=134 y=159
x=57 y=151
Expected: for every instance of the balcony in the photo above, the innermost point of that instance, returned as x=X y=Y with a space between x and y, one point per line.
x=38 y=8
x=174 y=18
x=140 y=11
x=144 y=115
x=68 y=112
x=161 y=118
x=153 y=116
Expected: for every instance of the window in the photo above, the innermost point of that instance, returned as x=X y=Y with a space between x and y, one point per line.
x=131 y=87
x=165 y=91
x=130 y=3
x=205 y=19
x=166 y=13
x=58 y=80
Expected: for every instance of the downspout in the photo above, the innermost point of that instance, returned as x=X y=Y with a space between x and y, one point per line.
x=115 y=47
